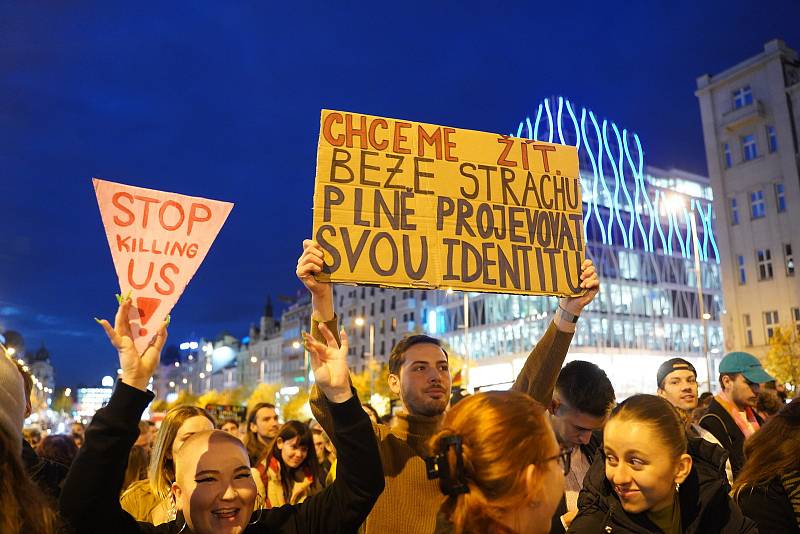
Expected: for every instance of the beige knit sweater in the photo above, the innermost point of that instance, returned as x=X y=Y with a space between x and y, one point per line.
x=410 y=501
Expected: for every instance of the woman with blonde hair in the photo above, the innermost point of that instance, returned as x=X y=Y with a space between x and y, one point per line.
x=150 y=500
x=499 y=464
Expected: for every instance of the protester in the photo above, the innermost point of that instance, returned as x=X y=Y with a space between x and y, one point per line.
x=420 y=376
x=677 y=383
x=499 y=464
x=149 y=500
x=231 y=426
x=649 y=477
x=290 y=470
x=58 y=448
x=262 y=428
x=731 y=416
x=23 y=507
x=768 y=404
x=138 y=459
x=581 y=403
x=77 y=433
x=768 y=486
x=32 y=435
x=213 y=489
x=46 y=474
x=326 y=454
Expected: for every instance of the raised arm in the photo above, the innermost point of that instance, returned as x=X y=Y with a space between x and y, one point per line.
x=90 y=497
x=538 y=376
x=344 y=505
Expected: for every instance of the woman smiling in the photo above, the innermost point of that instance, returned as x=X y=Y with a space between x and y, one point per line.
x=649 y=478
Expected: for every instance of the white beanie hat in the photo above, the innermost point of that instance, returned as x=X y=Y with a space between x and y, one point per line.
x=12 y=401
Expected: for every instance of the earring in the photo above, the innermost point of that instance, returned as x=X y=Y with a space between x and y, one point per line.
x=260 y=511
x=677 y=486
x=173 y=513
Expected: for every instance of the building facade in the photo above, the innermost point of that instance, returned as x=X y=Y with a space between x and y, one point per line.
x=750 y=123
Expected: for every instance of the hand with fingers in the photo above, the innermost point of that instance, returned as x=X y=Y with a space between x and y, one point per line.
x=329 y=363
x=136 y=368
x=590 y=282
x=309 y=265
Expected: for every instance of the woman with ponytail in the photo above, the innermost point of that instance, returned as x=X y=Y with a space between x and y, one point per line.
x=499 y=465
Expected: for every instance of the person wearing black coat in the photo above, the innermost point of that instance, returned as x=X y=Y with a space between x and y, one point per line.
x=46 y=474
x=769 y=505
x=621 y=495
x=212 y=495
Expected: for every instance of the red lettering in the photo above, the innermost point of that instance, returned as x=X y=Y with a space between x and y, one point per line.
x=400 y=138
x=543 y=150
x=162 y=220
x=351 y=132
x=434 y=140
x=133 y=284
x=194 y=217
x=509 y=143
x=147 y=201
x=373 y=125
x=326 y=129
x=165 y=278
x=129 y=213
x=448 y=144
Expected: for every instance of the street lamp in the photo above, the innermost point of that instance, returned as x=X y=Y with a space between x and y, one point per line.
x=360 y=321
x=11 y=351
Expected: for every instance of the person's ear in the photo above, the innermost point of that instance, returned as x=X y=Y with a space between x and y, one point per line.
x=660 y=392
x=253 y=427
x=176 y=495
x=555 y=404
x=394 y=383
x=279 y=443
x=684 y=468
x=533 y=483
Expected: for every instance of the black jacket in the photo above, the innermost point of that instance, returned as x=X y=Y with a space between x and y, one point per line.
x=706 y=507
x=769 y=506
x=720 y=423
x=46 y=474
x=90 y=498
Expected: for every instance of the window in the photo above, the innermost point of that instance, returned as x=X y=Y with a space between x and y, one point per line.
x=772 y=139
x=764 y=262
x=393 y=303
x=734 y=212
x=748 y=330
x=742 y=272
x=394 y=326
x=788 y=259
x=770 y=323
x=749 y=148
x=796 y=319
x=405 y=317
x=424 y=295
x=383 y=305
x=411 y=316
x=742 y=97
x=726 y=149
x=757 y=207
x=780 y=198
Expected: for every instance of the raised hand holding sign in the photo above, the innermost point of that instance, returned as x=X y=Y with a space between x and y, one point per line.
x=137 y=366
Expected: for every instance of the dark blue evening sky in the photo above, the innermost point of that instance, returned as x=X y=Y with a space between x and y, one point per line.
x=222 y=100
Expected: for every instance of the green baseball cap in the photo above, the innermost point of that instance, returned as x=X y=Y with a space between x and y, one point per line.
x=747 y=364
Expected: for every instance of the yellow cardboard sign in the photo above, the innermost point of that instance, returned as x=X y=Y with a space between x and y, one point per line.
x=407 y=204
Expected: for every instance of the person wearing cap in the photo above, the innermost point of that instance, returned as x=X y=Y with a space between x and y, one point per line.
x=731 y=414
x=677 y=383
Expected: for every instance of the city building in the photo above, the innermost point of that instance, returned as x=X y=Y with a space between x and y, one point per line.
x=750 y=122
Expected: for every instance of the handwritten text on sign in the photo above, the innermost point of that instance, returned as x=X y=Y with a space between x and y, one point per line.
x=408 y=204
x=157 y=240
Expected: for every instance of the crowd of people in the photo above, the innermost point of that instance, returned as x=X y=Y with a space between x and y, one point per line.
x=556 y=453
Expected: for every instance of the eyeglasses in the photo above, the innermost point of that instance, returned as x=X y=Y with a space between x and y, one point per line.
x=564 y=458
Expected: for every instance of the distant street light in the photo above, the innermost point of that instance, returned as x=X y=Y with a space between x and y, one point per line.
x=296 y=345
x=359 y=321
x=107 y=382
x=253 y=359
x=11 y=351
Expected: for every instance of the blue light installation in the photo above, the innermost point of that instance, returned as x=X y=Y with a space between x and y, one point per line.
x=647 y=210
